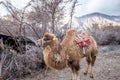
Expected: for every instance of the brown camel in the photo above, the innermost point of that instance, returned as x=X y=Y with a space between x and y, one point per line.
x=60 y=55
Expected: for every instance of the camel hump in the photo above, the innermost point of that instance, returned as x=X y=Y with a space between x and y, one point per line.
x=71 y=32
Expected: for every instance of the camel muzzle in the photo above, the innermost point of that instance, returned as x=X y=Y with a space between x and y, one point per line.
x=42 y=42
x=39 y=43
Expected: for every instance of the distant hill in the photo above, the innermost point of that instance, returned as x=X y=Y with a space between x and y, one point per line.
x=87 y=21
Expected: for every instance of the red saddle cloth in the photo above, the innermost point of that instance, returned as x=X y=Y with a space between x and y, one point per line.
x=83 y=40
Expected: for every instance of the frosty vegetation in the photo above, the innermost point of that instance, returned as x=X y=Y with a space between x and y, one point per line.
x=37 y=17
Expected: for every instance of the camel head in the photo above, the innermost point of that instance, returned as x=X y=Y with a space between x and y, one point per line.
x=46 y=39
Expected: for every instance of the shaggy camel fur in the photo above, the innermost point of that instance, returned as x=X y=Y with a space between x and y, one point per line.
x=67 y=53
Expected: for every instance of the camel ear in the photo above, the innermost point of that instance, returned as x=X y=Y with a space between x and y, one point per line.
x=54 y=38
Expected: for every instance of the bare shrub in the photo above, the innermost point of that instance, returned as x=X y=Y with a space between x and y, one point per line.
x=15 y=65
x=106 y=35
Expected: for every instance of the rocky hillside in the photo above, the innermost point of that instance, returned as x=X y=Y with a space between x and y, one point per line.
x=96 y=19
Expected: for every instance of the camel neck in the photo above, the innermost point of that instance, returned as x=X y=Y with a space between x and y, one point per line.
x=53 y=44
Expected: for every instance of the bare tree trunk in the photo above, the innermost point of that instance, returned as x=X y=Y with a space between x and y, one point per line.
x=1 y=56
x=53 y=23
x=0 y=69
x=72 y=12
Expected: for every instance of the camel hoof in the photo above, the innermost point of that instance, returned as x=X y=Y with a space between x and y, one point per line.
x=73 y=79
x=85 y=73
x=91 y=76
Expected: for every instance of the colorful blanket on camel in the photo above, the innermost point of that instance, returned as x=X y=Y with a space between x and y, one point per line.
x=83 y=39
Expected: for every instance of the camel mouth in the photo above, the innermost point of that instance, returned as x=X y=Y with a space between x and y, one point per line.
x=43 y=42
x=39 y=42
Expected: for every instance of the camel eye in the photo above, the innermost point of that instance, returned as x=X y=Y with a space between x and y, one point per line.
x=46 y=39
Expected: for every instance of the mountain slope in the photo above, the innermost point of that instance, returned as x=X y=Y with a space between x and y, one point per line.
x=99 y=19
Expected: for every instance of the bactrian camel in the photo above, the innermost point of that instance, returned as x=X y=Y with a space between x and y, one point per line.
x=67 y=53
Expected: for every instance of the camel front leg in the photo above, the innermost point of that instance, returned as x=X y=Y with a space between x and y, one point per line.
x=75 y=67
x=75 y=76
x=75 y=73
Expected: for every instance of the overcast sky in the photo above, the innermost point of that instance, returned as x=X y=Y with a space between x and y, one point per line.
x=111 y=7
x=17 y=3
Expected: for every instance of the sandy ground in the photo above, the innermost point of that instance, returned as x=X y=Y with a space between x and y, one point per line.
x=107 y=67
